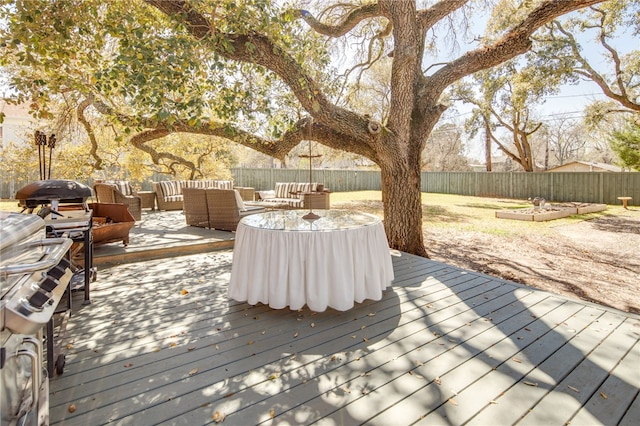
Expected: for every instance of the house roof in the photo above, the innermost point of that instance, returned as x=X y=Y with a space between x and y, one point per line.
x=13 y=110
x=591 y=165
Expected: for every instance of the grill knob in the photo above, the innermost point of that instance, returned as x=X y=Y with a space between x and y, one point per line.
x=38 y=299
x=56 y=272
x=49 y=284
x=64 y=264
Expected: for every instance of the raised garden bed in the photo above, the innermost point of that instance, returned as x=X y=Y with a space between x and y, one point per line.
x=550 y=212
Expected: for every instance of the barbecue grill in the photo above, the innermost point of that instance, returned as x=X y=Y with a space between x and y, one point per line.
x=34 y=275
x=53 y=192
x=66 y=213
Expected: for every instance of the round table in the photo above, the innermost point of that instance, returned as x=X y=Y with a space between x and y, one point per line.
x=281 y=259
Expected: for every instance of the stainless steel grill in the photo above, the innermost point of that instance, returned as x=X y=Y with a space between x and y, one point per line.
x=34 y=275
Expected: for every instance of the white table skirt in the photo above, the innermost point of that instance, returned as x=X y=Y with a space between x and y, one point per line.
x=330 y=268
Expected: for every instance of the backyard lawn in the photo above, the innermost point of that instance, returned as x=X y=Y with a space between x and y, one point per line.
x=593 y=256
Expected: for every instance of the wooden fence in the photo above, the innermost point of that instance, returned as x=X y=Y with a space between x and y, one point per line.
x=588 y=187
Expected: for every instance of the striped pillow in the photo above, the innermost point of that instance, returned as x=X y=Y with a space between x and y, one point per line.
x=284 y=189
x=170 y=188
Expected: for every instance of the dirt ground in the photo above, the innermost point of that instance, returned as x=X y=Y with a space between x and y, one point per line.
x=597 y=260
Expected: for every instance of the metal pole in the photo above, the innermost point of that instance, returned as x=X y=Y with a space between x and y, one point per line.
x=52 y=144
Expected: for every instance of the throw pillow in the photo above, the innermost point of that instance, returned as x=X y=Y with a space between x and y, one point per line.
x=266 y=195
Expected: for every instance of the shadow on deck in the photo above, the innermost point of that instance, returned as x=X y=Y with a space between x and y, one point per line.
x=162 y=343
x=162 y=235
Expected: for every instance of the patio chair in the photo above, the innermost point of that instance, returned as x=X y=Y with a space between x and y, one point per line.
x=226 y=208
x=195 y=208
x=110 y=193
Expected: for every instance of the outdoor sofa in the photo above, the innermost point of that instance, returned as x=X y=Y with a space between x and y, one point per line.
x=169 y=192
x=295 y=195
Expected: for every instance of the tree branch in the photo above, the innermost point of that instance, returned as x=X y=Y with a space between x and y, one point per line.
x=427 y=18
x=260 y=50
x=349 y=21
x=515 y=42
x=588 y=72
x=97 y=165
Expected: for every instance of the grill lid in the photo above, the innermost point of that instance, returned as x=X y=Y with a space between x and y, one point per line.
x=45 y=191
x=16 y=227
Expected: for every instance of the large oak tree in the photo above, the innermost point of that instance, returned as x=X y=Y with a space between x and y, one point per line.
x=255 y=73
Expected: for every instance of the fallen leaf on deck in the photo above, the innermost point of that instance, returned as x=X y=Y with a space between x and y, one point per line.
x=574 y=389
x=365 y=339
x=313 y=324
x=218 y=417
x=517 y=360
x=295 y=334
x=604 y=395
x=437 y=381
x=453 y=401
x=72 y=408
x=173 y=344
x=371 y=314
x=128 y=365
x=530 y=384
x=69 y=346
x=272 y=413
x=191 y=348
x=183 y=292
x=250 y=342
x=192 y=372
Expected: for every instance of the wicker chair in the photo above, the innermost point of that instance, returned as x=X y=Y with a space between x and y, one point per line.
x=224 y=211
x=109 y=193
x=195 y=207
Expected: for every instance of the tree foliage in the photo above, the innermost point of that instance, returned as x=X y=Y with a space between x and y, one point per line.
x=260 y=74
x=626 y=143
x=503 y=103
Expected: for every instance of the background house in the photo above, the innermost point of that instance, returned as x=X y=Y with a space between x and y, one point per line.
x=586 y=166
x=17 y=126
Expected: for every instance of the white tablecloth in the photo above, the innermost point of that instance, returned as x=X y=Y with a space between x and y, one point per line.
x=281 y=260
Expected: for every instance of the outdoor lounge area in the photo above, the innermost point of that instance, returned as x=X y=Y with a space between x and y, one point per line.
x=163 y=343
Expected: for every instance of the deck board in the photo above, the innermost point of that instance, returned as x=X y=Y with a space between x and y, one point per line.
x=444 y=345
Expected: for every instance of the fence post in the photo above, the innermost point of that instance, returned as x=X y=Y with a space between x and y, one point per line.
x=601 y=187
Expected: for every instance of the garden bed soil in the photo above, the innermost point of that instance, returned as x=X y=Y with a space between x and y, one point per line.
x=596 y=260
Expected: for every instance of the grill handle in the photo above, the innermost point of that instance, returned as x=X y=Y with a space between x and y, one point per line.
x=51 y=258
x=35 y=375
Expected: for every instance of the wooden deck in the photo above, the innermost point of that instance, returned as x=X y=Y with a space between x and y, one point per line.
x=162 y=343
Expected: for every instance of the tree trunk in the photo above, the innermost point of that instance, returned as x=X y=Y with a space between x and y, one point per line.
x=402 y=205
x=487 y=145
